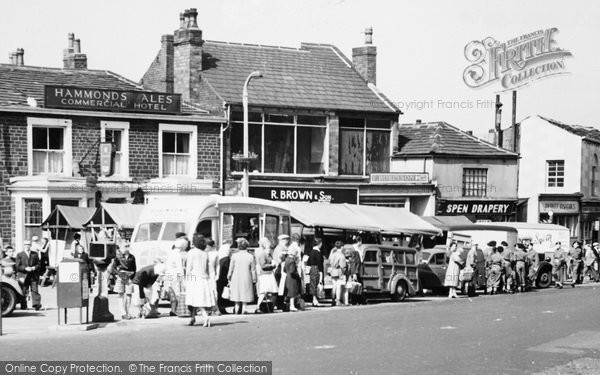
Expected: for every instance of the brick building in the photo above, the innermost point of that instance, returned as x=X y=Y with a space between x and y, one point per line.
x=472 y=177
x=320 y=128
x=53 y=121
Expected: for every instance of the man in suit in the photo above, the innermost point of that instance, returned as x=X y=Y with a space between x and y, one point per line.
x=28 y=265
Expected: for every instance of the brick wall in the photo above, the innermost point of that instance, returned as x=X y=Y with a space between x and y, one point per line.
x=364 y=60
x=13 y=162
x=86 y=134
x=209 y=152
x=334 y=145
x=159 y=75
x=143 y=150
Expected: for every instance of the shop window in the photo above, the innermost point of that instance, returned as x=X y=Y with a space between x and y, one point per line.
x=556 y=173
x=474 y=182
x=178 y=146
x=364 y=146
x=311 y=150
x=32 y=217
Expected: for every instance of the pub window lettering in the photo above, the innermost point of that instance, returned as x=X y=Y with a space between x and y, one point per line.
x=284 y=143
x=556 y=173
x=474 y=182
x=47 y=150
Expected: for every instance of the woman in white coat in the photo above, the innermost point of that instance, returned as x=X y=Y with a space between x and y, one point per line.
x=175 y=271
x=199 y=294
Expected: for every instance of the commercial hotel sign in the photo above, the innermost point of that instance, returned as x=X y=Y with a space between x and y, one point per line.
x=70 y=97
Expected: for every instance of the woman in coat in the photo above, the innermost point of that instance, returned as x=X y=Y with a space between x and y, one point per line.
x=452 y=272
x=315 y=262
x=496 y=264
x=199 y=293
x=292 y=280
x=242 y=276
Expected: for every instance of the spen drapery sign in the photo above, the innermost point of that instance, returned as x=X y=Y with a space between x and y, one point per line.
x=111 y=100
x=476 y=208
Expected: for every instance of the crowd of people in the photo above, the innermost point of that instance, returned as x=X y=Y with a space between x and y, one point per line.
x=515 y=269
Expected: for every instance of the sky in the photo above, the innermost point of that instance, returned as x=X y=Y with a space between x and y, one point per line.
x=420 y=44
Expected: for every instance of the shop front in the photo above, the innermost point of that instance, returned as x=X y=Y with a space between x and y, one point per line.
x=482 y=211
x=563 y=209
x=590 y=220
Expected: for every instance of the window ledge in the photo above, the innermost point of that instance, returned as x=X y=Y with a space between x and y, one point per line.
x=115 y=179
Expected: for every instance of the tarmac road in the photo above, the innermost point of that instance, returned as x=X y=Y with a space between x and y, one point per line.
x=504 y=334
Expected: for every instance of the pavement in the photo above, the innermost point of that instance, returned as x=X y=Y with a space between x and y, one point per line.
x=547 y=331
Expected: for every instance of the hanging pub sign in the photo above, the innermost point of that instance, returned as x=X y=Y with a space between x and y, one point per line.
x=106 y=158
x=476 y=208
x=302 y=194
x=82 y=98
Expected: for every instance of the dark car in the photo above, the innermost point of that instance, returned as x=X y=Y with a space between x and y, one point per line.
x=432 y=270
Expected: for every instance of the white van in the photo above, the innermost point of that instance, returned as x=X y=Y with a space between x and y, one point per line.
x=543 y=236
x=221 y=218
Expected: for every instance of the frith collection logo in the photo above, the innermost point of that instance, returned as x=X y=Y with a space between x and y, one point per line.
x=514 y=63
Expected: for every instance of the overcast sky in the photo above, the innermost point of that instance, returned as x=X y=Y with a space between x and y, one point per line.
x=420 y=44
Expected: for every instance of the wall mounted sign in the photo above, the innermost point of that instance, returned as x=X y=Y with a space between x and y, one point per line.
x=476 y=208
x=560 y=207
x=71 y=97
x=399 y=178
x=302 y=194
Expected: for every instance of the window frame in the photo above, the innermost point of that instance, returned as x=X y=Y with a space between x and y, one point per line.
x=192 y=130
x=475 y=192
x=365 y=130
x=557 y=176
x=263 y=123
x=66 y=125
x=123 y=126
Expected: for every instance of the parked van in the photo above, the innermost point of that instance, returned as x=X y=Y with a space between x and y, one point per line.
x=221 y=218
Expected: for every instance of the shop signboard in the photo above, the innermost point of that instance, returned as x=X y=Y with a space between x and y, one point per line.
x=305 y=194
x=477 y=207
x=559 y=207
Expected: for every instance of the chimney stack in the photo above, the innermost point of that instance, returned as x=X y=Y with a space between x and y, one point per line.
x=19 y=60
x=364 y=58
x=72 y=56
x=12 y=57
x=187 y=56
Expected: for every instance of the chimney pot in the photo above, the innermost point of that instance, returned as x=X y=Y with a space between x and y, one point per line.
x=181 y=21
x=186 y=19
x=469 y=132
x=193 y=18
x=369 y=35
x=77 y=46
x=71 y=37
x=20 y=53
x=418 y=121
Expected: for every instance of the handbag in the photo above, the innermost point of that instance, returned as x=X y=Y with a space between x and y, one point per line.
x=320 y=291
x=226 y=292
x=466 y=274
x=354 y=287
x=336 y=272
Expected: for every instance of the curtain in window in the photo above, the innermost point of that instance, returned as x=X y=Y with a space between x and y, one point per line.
x=378 y=152
x=351 y=152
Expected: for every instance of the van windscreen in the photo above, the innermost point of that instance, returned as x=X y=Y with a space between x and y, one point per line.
x=148 y=232
x=171 y=229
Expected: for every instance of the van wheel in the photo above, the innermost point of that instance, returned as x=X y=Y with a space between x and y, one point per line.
x=9 y=300
x=401 y=291
x=544 y=279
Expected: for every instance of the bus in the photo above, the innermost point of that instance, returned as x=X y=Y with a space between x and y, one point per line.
x=222 y=218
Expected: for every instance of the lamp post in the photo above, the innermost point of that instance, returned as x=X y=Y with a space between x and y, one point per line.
x=246 y=157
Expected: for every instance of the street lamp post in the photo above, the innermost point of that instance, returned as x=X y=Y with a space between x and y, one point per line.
x=246 y=157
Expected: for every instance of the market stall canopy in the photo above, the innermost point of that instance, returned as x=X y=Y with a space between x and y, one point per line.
x=447 y=222
x=326 y=215
x=395 y=220
x=360 y=217
x=68 y=217
x=122 y=216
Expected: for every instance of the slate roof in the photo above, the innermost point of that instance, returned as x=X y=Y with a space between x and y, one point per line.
x=586 y=132
x=440 y=138
x=314 y=76
x=19 y=82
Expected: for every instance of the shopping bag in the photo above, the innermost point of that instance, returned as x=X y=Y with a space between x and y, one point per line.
x=466 y=274
x=320 y=291
x=226 y=292
x=182 y=309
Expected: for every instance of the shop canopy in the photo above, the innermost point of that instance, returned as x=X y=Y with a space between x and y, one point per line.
x=68 y=217
x=447 y=222
x=116 y=215
x=360 y=218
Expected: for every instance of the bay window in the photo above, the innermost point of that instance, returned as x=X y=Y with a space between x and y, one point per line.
x=284 y=143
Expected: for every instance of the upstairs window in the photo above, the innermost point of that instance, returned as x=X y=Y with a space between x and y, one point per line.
x=556 y=173
x=178 y=150
x=474 y=182
x=49 y=146
x=118 y=134
x=364 y=146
